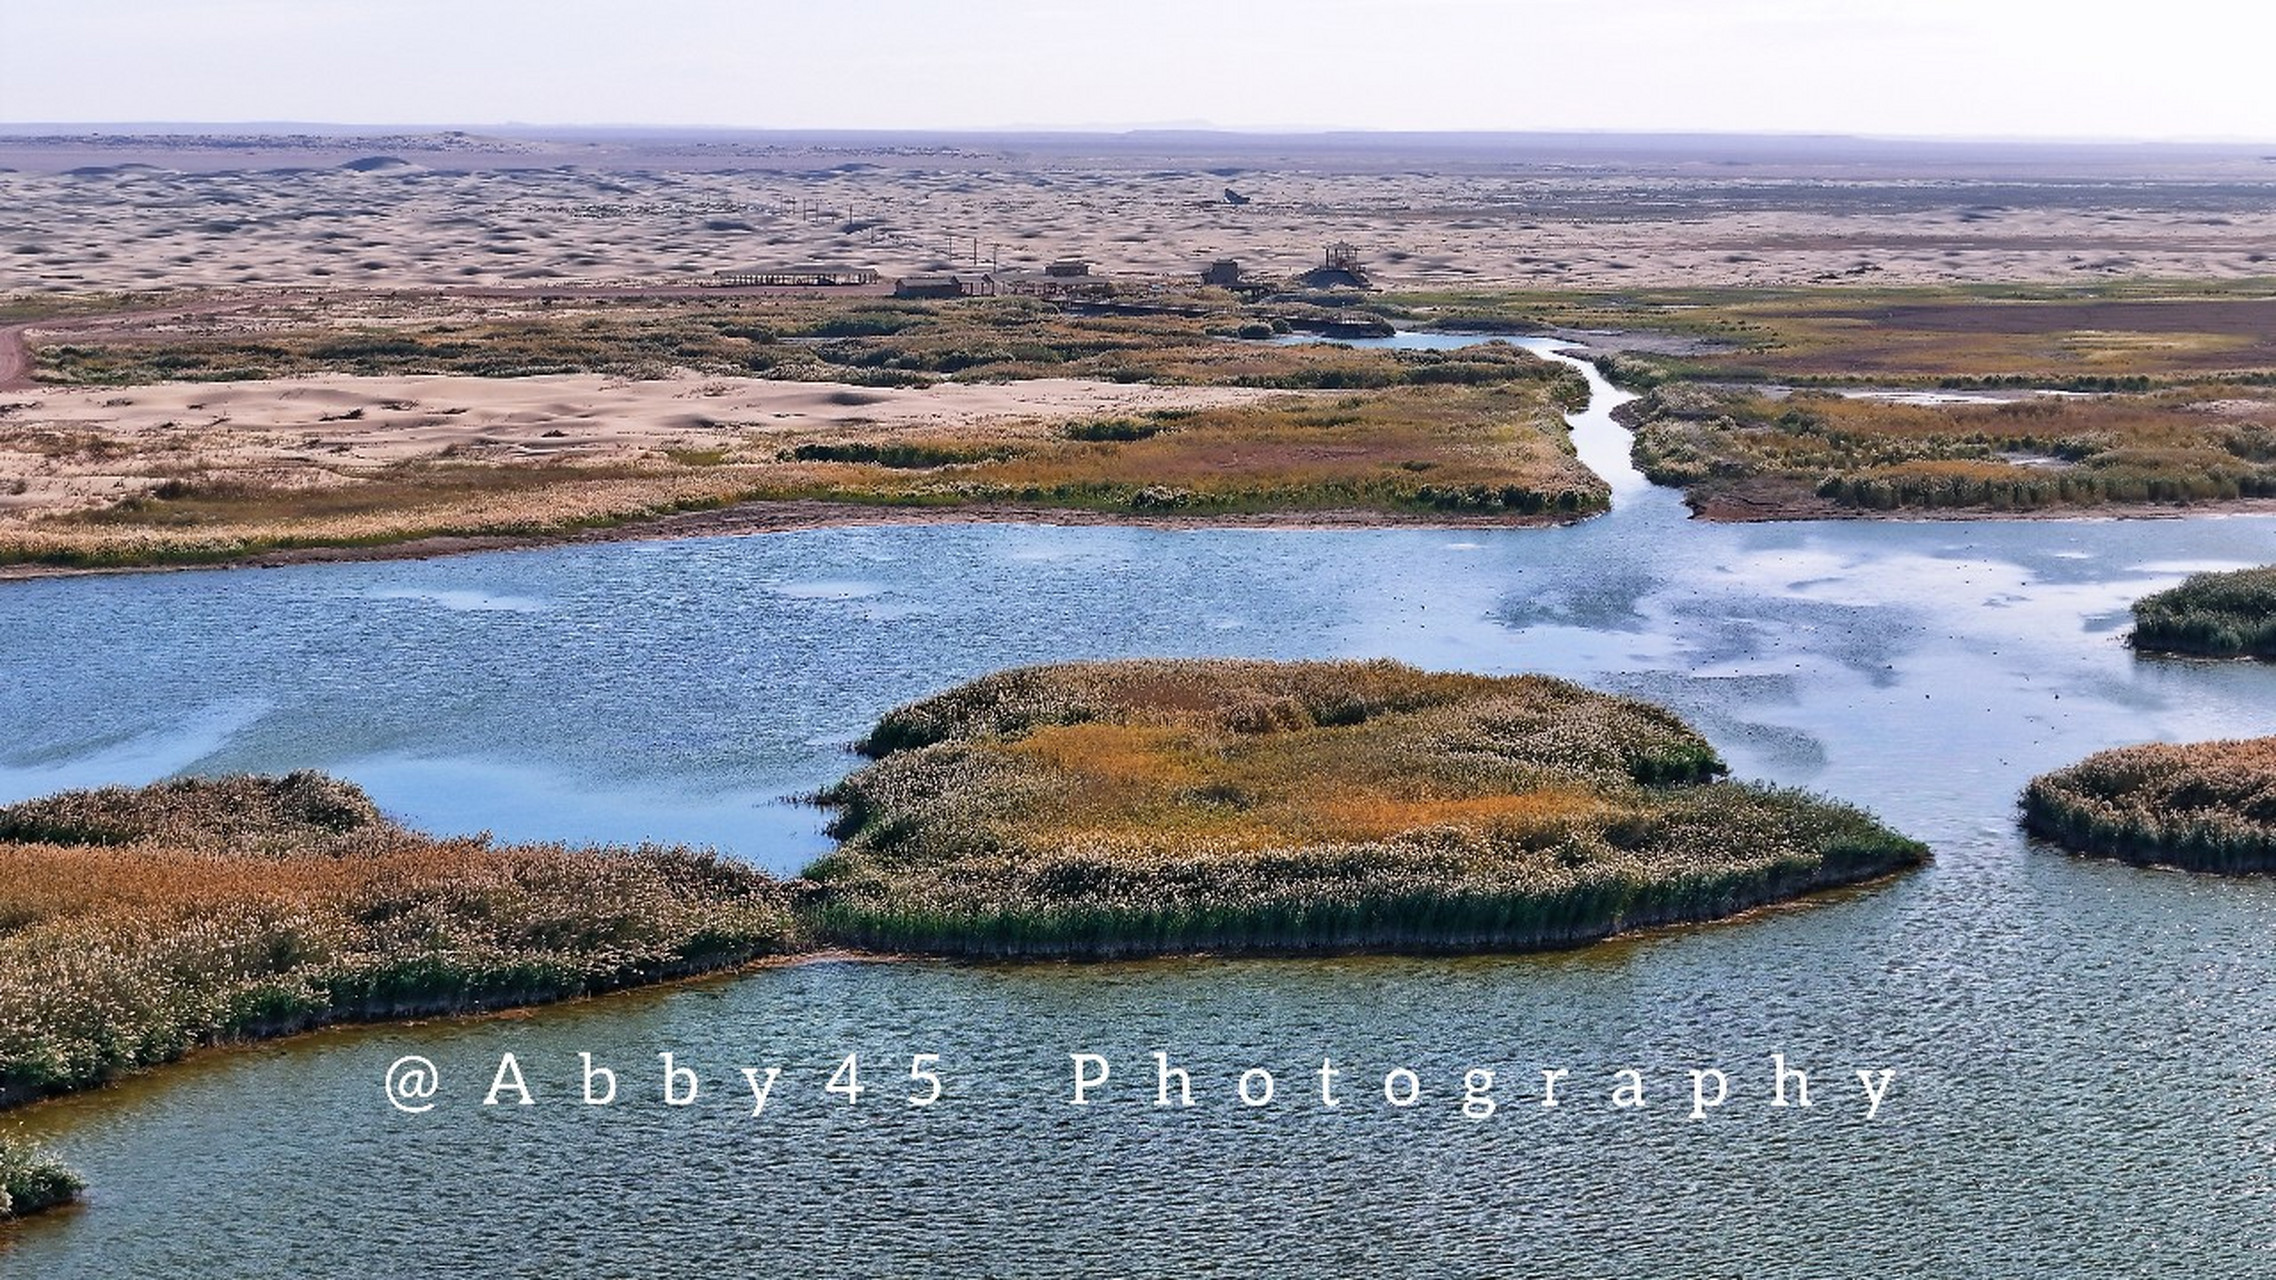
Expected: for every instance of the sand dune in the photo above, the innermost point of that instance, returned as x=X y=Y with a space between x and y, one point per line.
x=348 y=216
x=76 y=448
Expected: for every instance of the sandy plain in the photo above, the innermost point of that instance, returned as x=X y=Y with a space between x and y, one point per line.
x=300 y=432
x=84 y=212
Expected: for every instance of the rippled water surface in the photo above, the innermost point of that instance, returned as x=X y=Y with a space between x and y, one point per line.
x=2085 y=1054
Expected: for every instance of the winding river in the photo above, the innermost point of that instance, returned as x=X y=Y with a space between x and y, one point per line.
x=2084 y=1053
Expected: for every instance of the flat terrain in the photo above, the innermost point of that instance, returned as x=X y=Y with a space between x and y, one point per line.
x=602 y=413
x=83 y=212
x=2129 y=397
x=292 y=327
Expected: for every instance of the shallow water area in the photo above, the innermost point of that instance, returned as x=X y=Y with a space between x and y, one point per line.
x=2085 y=1053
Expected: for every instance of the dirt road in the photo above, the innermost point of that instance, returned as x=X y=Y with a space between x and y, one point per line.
x=15 y=359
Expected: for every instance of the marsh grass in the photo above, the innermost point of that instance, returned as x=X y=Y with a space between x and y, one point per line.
x=206 y=523
x=861 y=341
x=32 y=1179
x=1139 y=807
x=1473 y=431
x=2024 y=455
x=2204 y=806
x=2221 y=615
x=136 y=925
x=2106 y=336
x=1494 y=450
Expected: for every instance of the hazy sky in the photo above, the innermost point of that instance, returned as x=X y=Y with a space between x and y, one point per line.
x=2089 y=68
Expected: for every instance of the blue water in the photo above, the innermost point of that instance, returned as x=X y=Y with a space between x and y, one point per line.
x=2086 y=1053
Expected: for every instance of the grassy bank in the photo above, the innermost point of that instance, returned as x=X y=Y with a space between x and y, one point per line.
x=2166 y=386
x=1732 y=448
x=2116 y=335
x=136 y=925
x=2218 y=615
x=1140 y=807
x=2204 y=806
x=31 y=1179
x=1475 y=431
x=862 y=341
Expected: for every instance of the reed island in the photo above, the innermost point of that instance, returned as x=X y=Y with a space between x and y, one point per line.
x=31 y=1179
x=1133 y=808
x=2200 y=806
x=2214 y=615
x=136 y=925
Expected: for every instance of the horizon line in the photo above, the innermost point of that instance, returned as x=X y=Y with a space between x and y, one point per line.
x=1135 y=129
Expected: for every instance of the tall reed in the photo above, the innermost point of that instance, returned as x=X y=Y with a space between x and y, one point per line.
x=32 y=1179
x=136 y=925
x=2222 y=615
x=2204 y=806
x=1128 y=808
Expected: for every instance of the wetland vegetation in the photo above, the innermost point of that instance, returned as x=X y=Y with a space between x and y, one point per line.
x=2125 y=392
x=1130 y=808
x=1096 y=809
x=2202 y=806
x=32 y=1179
x=1740 y=452
x=137 y=925
x=1474 y=432
x=2167 y=402
x=2217 y=615
x=863 y=341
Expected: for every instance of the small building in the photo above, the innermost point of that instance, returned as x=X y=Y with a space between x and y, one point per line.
x=811 y=275
x=1225 y=273
x=1339 y=269
x=1053 y=283
x=1064 y=267
x=934 y=287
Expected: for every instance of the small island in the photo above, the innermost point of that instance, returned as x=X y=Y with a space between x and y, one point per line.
x=1134 y=808
x=246 y=907
x=2214 y=615
x=2200 y=806
x=32 y=1180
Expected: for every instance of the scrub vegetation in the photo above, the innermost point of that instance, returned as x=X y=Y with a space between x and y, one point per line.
x=1739 y=451
x=136 y=925
x=1495 y=450
x=2204 y=806
x=2165 y=391
x=2109 y=336
x=2218 y=615
x=31 y=1179
x=865 y=341
x=1139 y=807
x=1475 y=432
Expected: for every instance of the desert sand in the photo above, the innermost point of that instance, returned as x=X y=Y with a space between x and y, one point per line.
x=123 y=213
x=77 y=448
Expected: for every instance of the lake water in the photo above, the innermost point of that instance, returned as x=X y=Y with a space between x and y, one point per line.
x=2085 y=1053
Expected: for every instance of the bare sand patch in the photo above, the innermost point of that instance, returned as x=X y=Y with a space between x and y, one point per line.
x=74 y=448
